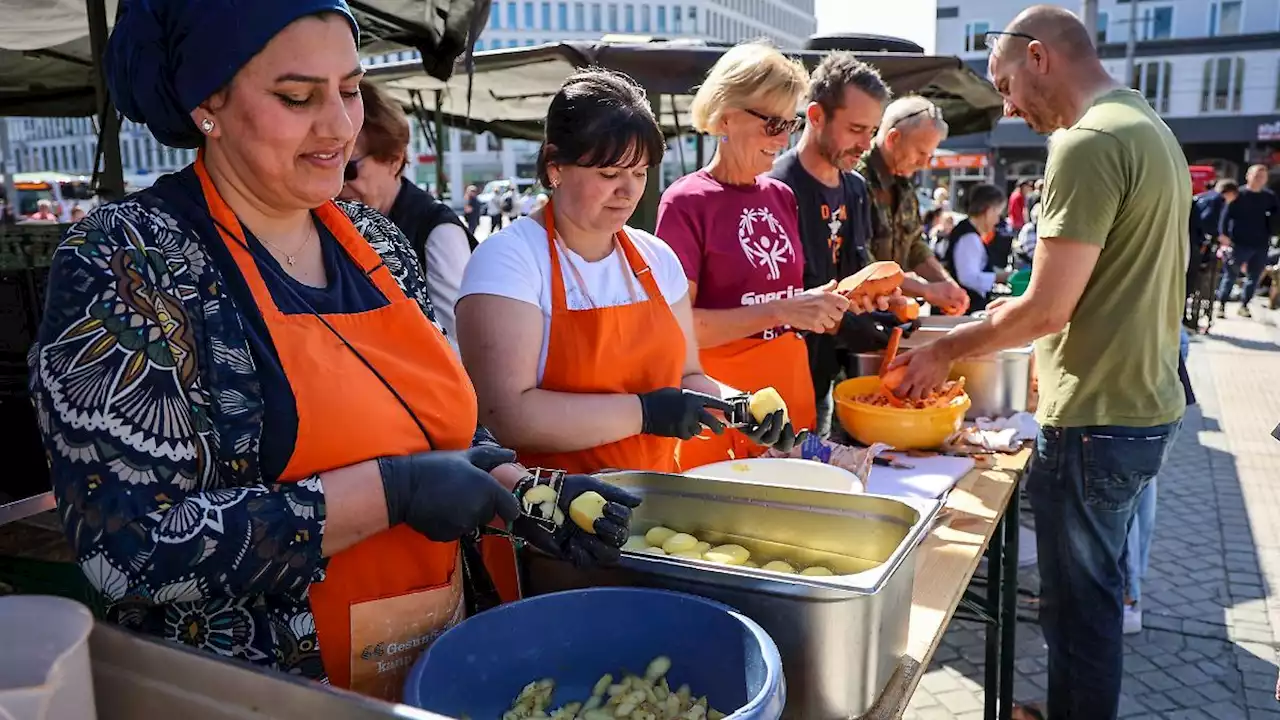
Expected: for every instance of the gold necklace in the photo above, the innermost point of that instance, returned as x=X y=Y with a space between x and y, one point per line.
x=291 y=257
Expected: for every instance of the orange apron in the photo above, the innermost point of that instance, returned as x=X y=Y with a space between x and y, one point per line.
x=384 y=599
x=748 y=365
x=632 y=348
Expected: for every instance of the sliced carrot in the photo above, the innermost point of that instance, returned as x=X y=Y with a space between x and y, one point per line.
x=891 y=351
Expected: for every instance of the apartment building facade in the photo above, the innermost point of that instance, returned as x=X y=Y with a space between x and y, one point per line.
x=1211 y=68
x=67 y=145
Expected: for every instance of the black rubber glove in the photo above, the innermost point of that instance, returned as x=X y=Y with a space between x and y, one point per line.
x=572 y=543
x=679 y=413
x=447 y=494
x=775 y=432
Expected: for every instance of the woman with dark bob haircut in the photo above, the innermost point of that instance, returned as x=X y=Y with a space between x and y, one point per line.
x=261 y=445
x=575 y=328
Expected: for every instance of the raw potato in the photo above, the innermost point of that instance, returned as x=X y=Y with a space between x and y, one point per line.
x=728 y=555
x=779 y=566
x=658 y=535
x=873 y=281
x=680 y=542
x=703 y=546
x=765 y=402
x=688 y=555
x=632 y=698
x=586 y=509
x=816 y=571
x=636 y=543
x=654 y=551
x=537 y=495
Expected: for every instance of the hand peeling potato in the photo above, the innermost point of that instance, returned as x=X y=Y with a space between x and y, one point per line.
x=766 y=402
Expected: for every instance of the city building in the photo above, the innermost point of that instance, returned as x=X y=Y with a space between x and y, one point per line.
x=1210 y=67
x=67 y=145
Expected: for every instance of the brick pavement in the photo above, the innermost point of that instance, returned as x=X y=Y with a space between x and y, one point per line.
x=1212 y=594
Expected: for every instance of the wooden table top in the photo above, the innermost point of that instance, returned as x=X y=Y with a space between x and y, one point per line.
x=945 y=563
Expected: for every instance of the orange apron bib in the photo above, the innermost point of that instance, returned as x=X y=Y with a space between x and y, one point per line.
x=632 y=348
x=385 y=598
x=750 y=364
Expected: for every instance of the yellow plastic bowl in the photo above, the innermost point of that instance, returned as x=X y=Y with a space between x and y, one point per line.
x=903 y=428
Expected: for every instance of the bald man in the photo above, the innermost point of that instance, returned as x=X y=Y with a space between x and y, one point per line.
x=1103 y=307
x=908 y=136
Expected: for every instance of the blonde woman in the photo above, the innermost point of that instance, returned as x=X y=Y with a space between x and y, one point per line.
x=736 y=232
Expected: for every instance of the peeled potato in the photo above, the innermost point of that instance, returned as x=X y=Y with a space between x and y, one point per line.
x=751 y=564
x=688 y=555
x=703 y=546
x=765 y=402
x=680 y=542
x=636 y=543
x=654 y=550
x=815 y=571
x=537 y=495
x=728 y=555
x=779 y=566
x=586 y=509
x=658 y=535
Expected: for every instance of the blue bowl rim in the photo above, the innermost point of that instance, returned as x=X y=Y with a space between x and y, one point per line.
x=768 y=648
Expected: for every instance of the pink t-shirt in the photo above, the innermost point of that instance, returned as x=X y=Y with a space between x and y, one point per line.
x=739 y=243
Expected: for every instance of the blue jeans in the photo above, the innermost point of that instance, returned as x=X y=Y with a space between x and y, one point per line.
x=1253 y=257
x=1084 y=485
x=1137 y=548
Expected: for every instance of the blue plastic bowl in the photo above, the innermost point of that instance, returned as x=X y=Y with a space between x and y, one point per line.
x=477 y=668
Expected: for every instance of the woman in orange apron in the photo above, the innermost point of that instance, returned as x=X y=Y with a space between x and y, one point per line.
x=577 y=330
x=736 y=231
x=266 y=449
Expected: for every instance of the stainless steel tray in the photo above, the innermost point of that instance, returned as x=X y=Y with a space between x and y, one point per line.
x=840 y=636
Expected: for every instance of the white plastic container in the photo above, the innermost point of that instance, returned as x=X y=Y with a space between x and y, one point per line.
x=44 y=659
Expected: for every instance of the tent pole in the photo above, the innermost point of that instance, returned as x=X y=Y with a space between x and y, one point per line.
x=111 y=181
x=646 y=214
x=441 y=134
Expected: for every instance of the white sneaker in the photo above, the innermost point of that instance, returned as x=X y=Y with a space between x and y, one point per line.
x=1132 y=620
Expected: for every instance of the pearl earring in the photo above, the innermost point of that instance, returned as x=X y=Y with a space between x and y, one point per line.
x=206 y=125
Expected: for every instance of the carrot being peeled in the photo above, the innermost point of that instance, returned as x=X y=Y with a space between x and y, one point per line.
x=891 y=350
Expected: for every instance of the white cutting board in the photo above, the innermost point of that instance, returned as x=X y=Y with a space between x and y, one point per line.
x=929 y=477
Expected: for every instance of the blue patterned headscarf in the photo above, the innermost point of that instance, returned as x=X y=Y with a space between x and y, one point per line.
x=165 y=57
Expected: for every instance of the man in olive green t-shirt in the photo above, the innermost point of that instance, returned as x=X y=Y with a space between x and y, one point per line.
x=1103 y=307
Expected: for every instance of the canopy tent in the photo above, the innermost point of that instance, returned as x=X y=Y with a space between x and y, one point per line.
x=511 y=88
x=47 y=65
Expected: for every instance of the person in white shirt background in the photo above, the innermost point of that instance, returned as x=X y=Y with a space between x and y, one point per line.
x=964 y=252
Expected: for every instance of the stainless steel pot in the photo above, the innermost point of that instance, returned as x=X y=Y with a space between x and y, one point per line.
x=841 y=637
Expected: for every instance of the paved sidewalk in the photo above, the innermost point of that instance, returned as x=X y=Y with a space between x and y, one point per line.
x=1212 y=595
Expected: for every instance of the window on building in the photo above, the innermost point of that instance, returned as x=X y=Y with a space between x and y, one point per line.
x=579 y=17
x=1101 y=29
x=693 y=20
x=662 y=18
x=1152 y=80
x=44 y=158
x=562 y=16
x=1157 y=23
x=546 y=16
x=613 y=18
x=495 y=16
x=513 y=43
x=511 y=15
x=530 y=42
x=467 y=141
x=1223 y=84
x=1278 y=86
x=595 y=18
x=945 y=13
x=975 y=36
x=644 y=19
x=629 y=18
x=1224 y=17
x=677 y=19
x=528 y=16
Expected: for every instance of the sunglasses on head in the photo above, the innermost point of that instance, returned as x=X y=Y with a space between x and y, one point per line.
x=991 y=36
x=352 y=170
x=774 y=126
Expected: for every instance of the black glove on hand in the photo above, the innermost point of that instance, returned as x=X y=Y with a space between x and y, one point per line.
x=679 y=413
x=447 y=494
x=775 y=432
x=572 y=543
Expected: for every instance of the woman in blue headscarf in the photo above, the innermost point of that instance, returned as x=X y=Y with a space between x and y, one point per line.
x=260 y=443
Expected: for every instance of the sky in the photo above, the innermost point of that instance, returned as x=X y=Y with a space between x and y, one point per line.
x=914 y=20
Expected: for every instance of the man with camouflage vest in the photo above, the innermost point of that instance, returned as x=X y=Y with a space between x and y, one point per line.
x=909 y=134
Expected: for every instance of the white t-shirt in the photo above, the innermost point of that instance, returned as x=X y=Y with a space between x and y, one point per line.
x=515 y=263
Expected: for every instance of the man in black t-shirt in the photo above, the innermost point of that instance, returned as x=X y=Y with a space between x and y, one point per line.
x=846 y=101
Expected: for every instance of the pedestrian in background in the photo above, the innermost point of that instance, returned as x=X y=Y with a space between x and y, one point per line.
x=1246 y=227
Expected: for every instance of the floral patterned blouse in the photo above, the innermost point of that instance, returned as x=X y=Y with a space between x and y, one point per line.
x=151 y=413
